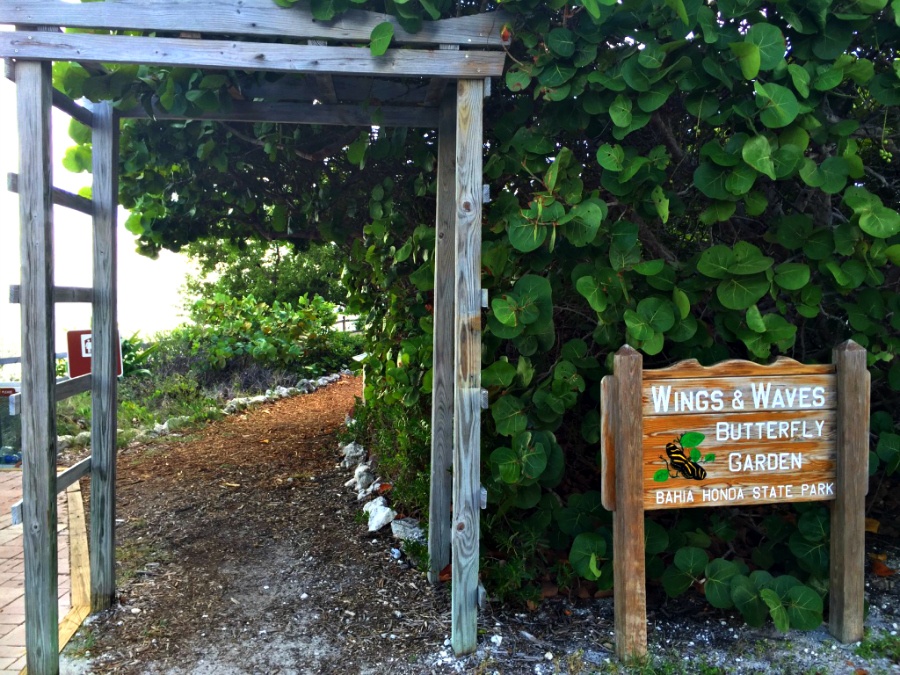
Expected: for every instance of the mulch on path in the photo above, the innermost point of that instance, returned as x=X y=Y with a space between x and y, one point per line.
x=240 y=550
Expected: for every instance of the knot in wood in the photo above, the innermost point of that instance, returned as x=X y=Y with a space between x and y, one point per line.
x=467 y=206
x=460 y=527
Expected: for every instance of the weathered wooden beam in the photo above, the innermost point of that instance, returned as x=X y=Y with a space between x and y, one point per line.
x=64 y=389
x=349 y=88
x=59 y=294
x=846 y=592
x=89 y=48
x=324 y=83
x=439 y=516
x=630 y=599
x=250 y=17
x=68 y=106
x=34 y=92
x=438 y=85
x=60 y=197
x=467 y=364
x=102 y=547
x=307 y=113
x=63 y=481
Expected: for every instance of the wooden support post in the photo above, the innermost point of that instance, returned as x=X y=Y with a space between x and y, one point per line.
x=38 y=368
x=106 y=348
x=442 y=354
x=628 y=518
x=467 y=358
x=851 y=483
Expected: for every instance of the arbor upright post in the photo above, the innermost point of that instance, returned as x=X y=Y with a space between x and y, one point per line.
x=105 y=350
x=442 y=388
x=467 y=359
x=38 y=368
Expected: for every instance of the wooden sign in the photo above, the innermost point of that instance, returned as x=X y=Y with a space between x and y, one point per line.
x=737 y=433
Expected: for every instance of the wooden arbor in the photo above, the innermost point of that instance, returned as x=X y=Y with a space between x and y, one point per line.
x=327 y=65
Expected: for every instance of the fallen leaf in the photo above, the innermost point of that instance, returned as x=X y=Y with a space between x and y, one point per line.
x=549 y=590
x=872 y=525
x=878 y=556
x=265 y=440
x=881 y=569
x=446 y=573
x=860 y=671
x=531 y=605
x=384 y=488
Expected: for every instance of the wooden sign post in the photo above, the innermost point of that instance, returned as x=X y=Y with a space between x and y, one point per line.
x=737 y=433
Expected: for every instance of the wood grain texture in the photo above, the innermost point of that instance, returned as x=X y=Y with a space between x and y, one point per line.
x=847 y=565
x=252 y=56
x=73 y=474
x=78 y=568
x=467 y=356
x=60 y=294
x=64 y=389
x=739 y=394
x=38 y=368
x=442 y=387
x=736 y=368
x=306 y=113
x=60 y=197
x=250 y=17
x=105 y=141
x=628 y=519
x=772 y=459
x=607 y=443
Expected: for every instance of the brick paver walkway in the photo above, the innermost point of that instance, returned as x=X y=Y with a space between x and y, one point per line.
x=12 y=573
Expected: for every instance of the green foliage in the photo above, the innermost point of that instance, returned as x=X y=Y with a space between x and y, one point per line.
x=279 y=335
x=266 y=270
x=703 y=180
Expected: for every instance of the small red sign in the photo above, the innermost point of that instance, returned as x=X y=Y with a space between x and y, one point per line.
x=81 y=348
x=7 y=391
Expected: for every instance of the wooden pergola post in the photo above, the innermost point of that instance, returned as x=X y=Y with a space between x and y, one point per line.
x=105 y=350
x=442 y=387
x=467 y=359
x=848 y=527
x=34 y=100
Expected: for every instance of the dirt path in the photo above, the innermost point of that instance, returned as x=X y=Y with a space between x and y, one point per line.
x=240 y=551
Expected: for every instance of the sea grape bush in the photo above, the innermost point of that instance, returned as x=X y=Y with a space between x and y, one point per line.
x=697 y=179
x=281 y=335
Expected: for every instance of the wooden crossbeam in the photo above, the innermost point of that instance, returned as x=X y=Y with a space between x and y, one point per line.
x=60 y=197
x=306 y=113
x=60 y=294
x=64 y=389
x=250 y=17
x=282 y=58
x=63 y=481
x=68 y=106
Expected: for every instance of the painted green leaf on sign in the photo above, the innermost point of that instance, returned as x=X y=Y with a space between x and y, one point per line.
x=381 y=38
x=692 y=439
